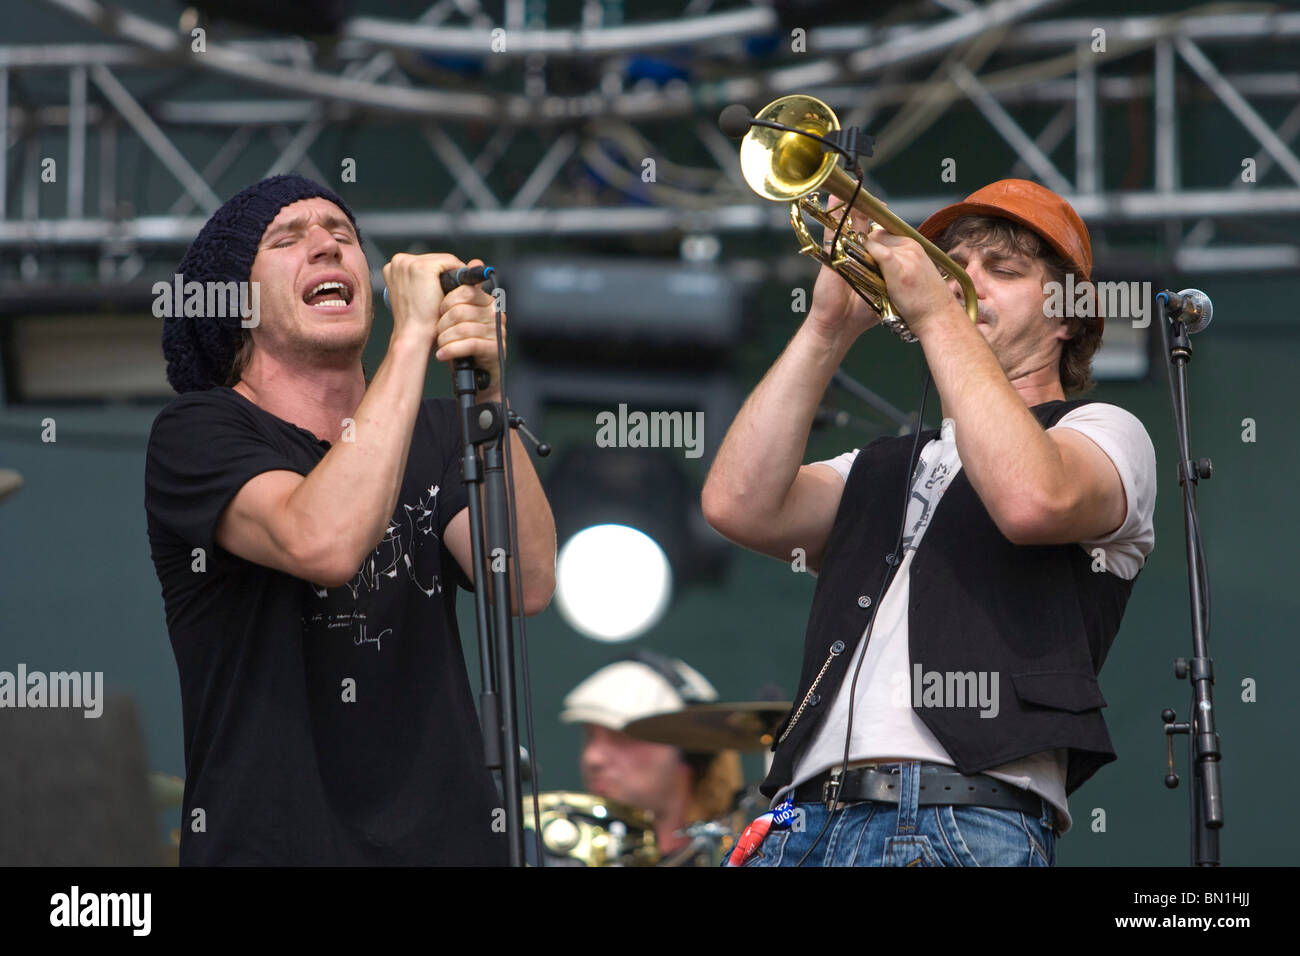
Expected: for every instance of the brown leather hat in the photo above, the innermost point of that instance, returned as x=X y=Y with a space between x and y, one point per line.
x=1033 y=206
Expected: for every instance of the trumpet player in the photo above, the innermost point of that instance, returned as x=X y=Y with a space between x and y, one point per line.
x=949 y=703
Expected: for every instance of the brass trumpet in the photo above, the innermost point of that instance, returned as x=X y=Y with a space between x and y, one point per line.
x=789 y=167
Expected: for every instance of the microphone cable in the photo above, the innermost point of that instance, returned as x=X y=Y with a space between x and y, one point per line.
x=519 y=595
x=848 y=209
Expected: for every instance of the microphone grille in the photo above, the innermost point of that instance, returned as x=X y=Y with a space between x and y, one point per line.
x=1203 y=306
x=735 y=120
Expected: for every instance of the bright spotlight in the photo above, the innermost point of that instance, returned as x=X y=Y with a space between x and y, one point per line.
x=612 y=582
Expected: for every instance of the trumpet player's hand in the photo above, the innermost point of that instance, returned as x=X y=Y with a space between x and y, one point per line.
x=916 y=289
x=836 y=308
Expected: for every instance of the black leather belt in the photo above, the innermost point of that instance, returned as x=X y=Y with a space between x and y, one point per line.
x=936 y=789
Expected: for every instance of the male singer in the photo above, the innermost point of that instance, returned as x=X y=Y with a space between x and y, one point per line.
x=991 y=604
x=309 y=530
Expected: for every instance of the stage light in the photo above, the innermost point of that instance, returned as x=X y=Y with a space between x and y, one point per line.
x=624 y=370
x=626 y=522
x=613 y=582
x=82 y=344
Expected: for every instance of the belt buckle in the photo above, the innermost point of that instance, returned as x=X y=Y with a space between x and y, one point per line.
x=831 y=790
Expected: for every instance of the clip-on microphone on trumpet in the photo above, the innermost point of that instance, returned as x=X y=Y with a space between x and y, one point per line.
x=850 y=142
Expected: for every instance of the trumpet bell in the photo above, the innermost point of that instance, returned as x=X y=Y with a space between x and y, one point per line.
x=784 y=166
x=789 y=165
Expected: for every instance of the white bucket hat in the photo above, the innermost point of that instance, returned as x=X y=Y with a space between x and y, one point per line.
x=628 y=690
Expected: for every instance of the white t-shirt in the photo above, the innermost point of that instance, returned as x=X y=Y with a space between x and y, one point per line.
x=884 y=723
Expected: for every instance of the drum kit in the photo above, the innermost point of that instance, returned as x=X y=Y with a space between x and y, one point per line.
x=580 y=829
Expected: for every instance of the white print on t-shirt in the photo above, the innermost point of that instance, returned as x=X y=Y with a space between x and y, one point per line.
x=361 y=635
x=362 y=638
x=937 y=483
x=424 y=534
x=412 y=530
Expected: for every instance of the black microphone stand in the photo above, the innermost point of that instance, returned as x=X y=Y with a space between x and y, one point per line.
x=484 y=435
x=1206 y=795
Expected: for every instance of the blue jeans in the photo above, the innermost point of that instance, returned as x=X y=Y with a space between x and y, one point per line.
x=903 y=834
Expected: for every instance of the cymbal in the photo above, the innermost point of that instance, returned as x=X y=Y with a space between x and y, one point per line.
x=744 y=725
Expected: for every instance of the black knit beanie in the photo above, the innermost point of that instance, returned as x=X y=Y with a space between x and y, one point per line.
x=201 y=349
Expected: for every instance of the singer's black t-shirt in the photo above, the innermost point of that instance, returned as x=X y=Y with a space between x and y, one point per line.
x=322 y=726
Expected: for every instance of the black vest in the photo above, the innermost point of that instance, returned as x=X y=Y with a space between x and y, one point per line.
x=1038 y=616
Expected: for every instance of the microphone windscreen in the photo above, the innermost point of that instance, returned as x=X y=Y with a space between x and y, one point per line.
x=735 y=120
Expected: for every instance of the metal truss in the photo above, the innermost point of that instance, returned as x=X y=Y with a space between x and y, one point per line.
x=90 y=97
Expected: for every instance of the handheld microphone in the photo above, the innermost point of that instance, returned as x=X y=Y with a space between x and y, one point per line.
x=1191 y=305
x=466 y=275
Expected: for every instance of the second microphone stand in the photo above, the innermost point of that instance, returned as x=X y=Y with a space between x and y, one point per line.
x=1207 y=788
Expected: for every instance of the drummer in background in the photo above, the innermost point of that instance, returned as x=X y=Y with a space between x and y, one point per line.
x=677 y=787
